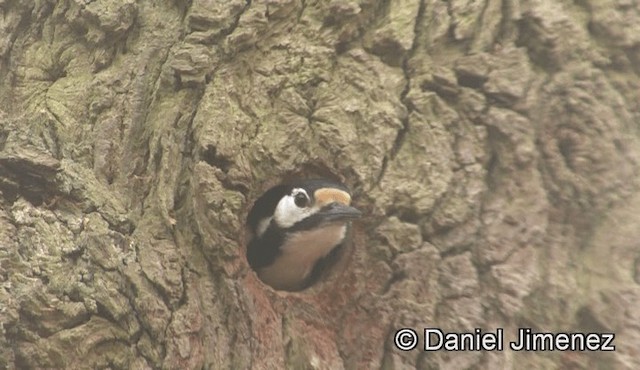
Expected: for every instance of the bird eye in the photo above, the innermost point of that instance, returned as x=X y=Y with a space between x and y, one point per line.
x=301 y=200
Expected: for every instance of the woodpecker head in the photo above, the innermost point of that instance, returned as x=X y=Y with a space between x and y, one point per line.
x=295 y=226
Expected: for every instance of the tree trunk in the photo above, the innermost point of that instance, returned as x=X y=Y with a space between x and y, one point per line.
x=494 y=147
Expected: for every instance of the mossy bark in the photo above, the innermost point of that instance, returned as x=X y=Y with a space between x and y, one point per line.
x=493 y=145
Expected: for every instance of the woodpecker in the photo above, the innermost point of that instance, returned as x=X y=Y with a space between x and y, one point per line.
x=295 y=226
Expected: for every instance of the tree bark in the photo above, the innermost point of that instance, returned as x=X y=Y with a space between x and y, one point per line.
x=494 y=147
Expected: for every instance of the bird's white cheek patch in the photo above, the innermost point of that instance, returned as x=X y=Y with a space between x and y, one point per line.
x=287 y=213
x=299 y=254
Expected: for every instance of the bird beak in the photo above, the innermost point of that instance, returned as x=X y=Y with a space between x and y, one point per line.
x=339 y=212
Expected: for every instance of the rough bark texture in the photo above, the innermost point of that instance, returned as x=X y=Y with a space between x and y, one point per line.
x=494 y=146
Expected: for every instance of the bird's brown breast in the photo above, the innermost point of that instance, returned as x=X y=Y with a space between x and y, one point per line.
x=299 y=254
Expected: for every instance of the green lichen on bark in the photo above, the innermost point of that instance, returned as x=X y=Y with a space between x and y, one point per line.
x=493 y=146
